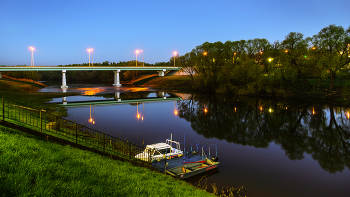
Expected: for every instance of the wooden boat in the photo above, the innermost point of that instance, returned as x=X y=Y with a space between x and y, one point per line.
x=193 y=168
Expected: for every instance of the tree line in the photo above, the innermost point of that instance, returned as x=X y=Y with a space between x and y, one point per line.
x=295 y=65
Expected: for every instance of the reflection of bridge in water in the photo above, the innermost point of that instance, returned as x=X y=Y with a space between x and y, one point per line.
x=117 y=100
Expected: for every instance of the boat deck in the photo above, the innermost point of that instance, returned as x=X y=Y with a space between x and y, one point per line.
x=172 y=163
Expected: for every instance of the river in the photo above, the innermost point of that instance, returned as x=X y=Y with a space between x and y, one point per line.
x=271 y=147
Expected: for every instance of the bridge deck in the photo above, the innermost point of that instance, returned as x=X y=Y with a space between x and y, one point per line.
x=71 y=68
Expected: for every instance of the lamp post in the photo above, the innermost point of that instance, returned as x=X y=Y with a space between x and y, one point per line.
x=174 y=57
x=32 y=58
x=137 y=52
x=89 y=51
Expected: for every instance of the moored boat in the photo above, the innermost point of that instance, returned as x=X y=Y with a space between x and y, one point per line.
x=159 y=151
x=189 y=169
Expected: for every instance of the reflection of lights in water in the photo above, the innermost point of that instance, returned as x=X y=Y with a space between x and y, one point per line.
x=261 y=108
x=133 y=89
x=313 y=111
x=175 y=110
x=90 y=91
x=205 y=109
x=93 y=112
x=348 y=115
x=270 y=110
x=235 y=109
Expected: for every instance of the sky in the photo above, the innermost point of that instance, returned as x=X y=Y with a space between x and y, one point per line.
x=61 y=31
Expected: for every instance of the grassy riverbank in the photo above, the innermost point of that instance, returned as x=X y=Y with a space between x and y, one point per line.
x=32 y=167
x=172 y=83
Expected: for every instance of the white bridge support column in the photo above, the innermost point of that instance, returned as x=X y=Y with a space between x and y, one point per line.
x=64 y=84
x=161 y=73
x=116 y=78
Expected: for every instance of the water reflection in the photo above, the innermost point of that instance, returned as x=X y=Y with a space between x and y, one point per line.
x=299 y=128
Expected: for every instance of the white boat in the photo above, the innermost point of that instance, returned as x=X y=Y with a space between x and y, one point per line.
x=159 y=151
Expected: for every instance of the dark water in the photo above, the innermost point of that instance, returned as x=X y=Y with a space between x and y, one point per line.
x=273 y=148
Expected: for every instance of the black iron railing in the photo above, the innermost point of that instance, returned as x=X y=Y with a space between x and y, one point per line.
x=44 y=122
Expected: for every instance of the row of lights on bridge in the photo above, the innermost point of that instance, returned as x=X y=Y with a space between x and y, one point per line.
x=91 y=50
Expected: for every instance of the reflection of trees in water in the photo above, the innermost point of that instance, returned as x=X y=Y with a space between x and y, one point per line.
x=297 y=127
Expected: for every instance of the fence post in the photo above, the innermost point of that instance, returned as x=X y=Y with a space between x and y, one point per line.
x=76 y=133
x=41 y=123
x=3 y=108
x=104 y=142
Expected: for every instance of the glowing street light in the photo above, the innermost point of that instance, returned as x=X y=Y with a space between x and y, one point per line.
x=89 y=51
x=32 y=58
x=137 y=52
x=175 y=53
x=205 y=53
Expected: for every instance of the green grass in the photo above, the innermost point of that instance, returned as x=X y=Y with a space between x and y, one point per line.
x=32 y=167
x=143 y=81
x=175 y=83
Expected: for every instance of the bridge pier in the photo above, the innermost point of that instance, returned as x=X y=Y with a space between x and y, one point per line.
x=161 y=73
x=116 y=78
x=64 y=84
x=0 y=75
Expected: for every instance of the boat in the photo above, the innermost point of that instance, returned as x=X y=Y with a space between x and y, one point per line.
x=159 y=151
x=189 y=169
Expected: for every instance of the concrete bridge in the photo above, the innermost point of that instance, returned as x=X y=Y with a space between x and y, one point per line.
x=64 y=69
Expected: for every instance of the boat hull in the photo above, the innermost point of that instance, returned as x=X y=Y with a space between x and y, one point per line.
x=193 y=168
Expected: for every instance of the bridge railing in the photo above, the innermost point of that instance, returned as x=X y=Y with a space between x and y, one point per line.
x=44 y=122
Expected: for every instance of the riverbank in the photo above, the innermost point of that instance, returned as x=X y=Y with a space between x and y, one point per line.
x=32 y=167
x=185 y=84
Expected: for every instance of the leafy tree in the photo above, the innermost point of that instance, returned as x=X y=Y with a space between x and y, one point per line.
x=332 y=47
x=293 y=56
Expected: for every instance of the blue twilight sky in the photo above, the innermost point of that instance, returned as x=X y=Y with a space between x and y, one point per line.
x=62 y=30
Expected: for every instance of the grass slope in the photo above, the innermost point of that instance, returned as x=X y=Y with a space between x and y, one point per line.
x=32 y=167
x=175 y=83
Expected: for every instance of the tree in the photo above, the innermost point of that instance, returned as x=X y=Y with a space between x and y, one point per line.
x=187 y=63
x=332 y=46
x=294 y=50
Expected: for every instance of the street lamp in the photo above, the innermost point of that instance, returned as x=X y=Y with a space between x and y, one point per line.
x=89 y=51
x=32 y=58
x=137 y=52
x=175 y=53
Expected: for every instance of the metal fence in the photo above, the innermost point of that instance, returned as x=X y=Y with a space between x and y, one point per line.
x=44 y=122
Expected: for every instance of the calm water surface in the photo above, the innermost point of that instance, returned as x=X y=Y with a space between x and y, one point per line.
x=273 y=148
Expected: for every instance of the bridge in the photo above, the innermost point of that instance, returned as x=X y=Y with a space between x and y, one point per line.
x=64 y=69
